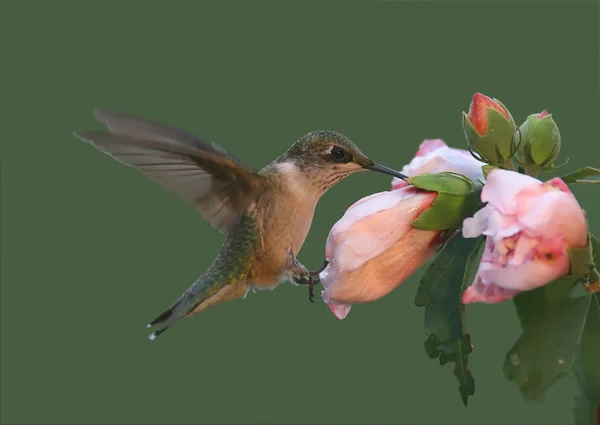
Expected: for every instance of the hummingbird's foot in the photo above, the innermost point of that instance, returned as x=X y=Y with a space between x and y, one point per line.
x=300 y=275
x=314 y=278
x=307 y=280
x=316 y=273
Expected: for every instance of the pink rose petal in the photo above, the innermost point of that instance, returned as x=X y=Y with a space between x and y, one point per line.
x=434 y=156
x=339 y=310
x=502 y=187
x=529 y=227
x=429 y=145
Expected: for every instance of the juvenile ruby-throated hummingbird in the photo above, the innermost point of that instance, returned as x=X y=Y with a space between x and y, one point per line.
x=265 y=214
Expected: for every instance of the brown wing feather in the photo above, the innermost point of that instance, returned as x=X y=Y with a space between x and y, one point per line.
x=203 y=173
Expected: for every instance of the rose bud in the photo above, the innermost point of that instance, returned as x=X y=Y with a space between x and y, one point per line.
x=434 y=156
x=535 y=233
x=384 y=238
x=539 y=143
x=490 y=131
x=373 y=248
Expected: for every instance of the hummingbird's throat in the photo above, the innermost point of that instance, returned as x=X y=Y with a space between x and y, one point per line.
x=309 y=182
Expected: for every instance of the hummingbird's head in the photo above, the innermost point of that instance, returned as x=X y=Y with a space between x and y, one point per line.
x=326 y=157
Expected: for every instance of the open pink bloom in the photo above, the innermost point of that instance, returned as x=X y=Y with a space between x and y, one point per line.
x=529 y=226
x=434 y=156
x=373 y=248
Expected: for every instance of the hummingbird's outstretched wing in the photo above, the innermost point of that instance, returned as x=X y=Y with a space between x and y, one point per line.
x=203 y=173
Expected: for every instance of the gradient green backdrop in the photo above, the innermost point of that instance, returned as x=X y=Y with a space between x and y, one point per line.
x=92 y=250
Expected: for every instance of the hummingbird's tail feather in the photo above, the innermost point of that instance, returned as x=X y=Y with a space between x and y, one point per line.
x=193 y=296
x=175 y=312
x=204 y=293
x=157 y=333
x=161 y=318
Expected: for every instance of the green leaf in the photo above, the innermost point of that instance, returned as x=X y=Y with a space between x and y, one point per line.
x=584 y=411
x=589 y=175
x=590 y=350
x=440 y=293
x=457 y=352
x=472 y=263
x=587 y=369
x=547 y=348
x=530 y=304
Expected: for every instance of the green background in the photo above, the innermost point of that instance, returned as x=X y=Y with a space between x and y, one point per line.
x=92 y=250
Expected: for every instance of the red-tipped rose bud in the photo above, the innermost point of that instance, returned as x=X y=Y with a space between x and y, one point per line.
x=478 y=112
x=542 y=114
x=490 y=130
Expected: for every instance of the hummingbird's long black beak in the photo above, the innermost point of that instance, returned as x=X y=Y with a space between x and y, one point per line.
x=386 y=170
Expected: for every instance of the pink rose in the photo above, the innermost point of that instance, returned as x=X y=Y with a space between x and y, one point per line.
x=434 y=156
x=373 y=248
x=529 y=226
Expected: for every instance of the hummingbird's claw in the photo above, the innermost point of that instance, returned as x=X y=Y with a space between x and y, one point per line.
x=318 y=271
x=301 y=276
x=314 y=277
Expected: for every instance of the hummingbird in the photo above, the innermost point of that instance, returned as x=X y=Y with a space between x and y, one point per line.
x=265 y=215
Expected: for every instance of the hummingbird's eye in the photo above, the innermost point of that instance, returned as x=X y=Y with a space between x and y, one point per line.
x=340 y=155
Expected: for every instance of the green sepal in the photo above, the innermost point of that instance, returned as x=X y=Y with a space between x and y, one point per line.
x=456 y=199
x=487 y=169
x=582 y=261
x=594 y=277
x=446 y=182
x=553 y=167
x=500 y=141
x=445 y=213
x=539 y=144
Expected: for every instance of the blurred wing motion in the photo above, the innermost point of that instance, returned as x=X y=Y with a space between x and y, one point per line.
x=205 y=174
